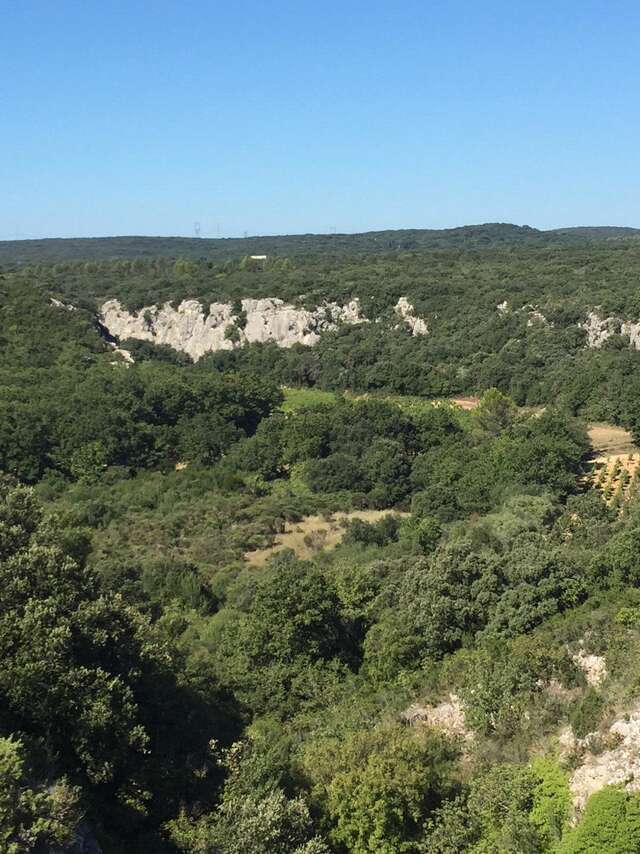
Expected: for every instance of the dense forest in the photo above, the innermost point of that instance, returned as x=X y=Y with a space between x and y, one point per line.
x=510 y=318
x=221 y=249
x=296 y=601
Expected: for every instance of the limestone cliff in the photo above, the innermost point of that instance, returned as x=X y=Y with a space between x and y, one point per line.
x=189 y=329
x=599 y=328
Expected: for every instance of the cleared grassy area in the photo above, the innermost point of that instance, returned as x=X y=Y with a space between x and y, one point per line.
x=314 y=533
x=299 y=398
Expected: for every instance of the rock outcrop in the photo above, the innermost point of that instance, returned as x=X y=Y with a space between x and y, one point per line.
x=417 y=325
x=594 y=667
x=447 y=716
x=56 y=303
x=599 y=329
x=620 y=764
x=189 y=329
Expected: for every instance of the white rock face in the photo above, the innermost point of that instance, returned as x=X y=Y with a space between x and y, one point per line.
x=286 y=325
x=186 y=327
x=621 y=764
x=124 y=354
x=56 y=303
x=536 y=317
x=447 y=716
x=417 y=325
x=599 y=328
x=594 y=667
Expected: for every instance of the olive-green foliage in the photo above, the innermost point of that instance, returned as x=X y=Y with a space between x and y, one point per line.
x=254 y=814
x=495 y=412
x=139 y=253
x=586 y=716
x=86 y=676
x=380 y=786
x=471 y=346
x=379 y=533
x=33 y=816
x=501 y=591
x=508 y=810
x=287 y=642
x=128 y=607
x=256 y=825
x=374 y=448
x=499 y=679
x=621 y=558
x=610 y=825
x=138 y=416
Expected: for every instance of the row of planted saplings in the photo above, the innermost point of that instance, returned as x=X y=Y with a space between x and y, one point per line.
x=616 y=482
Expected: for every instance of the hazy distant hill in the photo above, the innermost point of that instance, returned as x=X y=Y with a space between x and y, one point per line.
x=467 y=237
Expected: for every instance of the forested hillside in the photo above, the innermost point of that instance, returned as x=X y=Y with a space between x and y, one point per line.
x=511 y=318
x=221 y=249
x=297 y=600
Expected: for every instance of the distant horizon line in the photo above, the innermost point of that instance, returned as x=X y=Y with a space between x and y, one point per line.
x=266 y=236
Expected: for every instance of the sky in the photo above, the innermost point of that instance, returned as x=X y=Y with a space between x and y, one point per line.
x=271 y=117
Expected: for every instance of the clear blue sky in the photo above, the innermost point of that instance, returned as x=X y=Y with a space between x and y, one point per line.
x=275 y=117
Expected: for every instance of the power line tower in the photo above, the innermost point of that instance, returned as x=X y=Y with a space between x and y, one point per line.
x=196 y=229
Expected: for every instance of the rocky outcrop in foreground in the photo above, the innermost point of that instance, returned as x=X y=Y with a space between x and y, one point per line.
x=189 y=329
x=617 y=765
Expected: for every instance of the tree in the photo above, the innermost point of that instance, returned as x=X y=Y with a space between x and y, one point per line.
x=610 y=825
x=85 y=675
x=495 y=412
x=336 y=472
x=290 y=645
x=88 y=462
x=619 y=562
x=386 y=467
x=32 y=817
x=450 y=595
x=257 y=825
x=254 y=815
x=387 y=783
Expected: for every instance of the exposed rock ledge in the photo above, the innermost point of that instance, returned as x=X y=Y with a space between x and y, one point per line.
x=188 y=329
x=417 y=325
x=619 y=764
x=447 y=716
x=599 y=328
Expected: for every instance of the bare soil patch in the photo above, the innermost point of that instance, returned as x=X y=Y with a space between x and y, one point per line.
x=608 y=440
x=315 y=533
x=616 y=462
x=465 y=402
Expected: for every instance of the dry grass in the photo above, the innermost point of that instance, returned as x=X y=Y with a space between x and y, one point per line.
x=465 y=402
x=616 y=477
x=314 y=533
x=607 y=440
x=616 y=461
